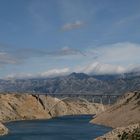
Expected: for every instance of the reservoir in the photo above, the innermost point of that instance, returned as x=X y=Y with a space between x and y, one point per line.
x=75 y=127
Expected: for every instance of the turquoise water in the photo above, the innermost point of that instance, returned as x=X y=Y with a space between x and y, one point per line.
x=60 y=128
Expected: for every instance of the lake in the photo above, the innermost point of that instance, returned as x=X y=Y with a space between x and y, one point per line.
x=75 y=127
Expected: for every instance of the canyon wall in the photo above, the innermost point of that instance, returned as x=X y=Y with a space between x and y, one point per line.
x=28 y=107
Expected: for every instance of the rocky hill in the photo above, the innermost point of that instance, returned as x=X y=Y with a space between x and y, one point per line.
x=75 y=83
x=124 y=116
x=18 y=107
x=131 y=132
x=125 y=112
x=26 y=107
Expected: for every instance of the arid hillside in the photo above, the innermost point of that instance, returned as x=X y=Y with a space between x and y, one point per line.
x=131 y=132
x=124 y=116
x=26 y=107
x=17 y=107
x=125 y=112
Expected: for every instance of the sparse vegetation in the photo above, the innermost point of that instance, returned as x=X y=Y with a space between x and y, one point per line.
x=135 y=135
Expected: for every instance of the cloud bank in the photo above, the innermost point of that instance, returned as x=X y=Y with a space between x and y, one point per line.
x=70 y=26
x=55 y=72
x=18 y=56
x=65 y=51
x=94 y=68
x=114 y=58
x=49 y=74
x=124 y=53
x=6 y=58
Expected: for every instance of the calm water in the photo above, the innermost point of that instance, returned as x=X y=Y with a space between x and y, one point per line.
x=60 y=128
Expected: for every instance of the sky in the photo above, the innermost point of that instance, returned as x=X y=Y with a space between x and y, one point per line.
x=46 y=38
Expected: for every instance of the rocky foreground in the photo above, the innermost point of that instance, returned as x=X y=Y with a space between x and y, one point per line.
x=124 y=116
x=3 y=130
x=27 y=107
x=131 y=132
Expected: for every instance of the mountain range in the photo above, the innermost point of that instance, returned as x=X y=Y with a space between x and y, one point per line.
x=75 y=83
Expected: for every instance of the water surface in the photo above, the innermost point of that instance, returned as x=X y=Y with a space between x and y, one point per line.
x=60 y=128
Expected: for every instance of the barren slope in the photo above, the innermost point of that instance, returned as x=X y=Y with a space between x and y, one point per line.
x=125 y=112
x=17 y=107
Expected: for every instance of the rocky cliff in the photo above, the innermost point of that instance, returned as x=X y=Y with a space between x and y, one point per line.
x=131 y=132
x=24 y=106
x=3 y=130
x=17 y=107
x=125 y=112
x=124 y=116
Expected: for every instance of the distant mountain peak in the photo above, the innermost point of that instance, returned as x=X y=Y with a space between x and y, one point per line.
x=75 y=82
x=78 y=75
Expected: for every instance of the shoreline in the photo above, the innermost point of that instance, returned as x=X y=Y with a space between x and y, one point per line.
x=116 y=116
x=87 y=116
x=3 y=129
x=3 y=122
x=27 y=107
x=122 y=116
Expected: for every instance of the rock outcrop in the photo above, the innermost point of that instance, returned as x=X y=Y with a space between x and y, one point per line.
x=125 y=112
x=24 y=106
x=131 y=132
x=124 y=116
x=19 y=107
x=3 y=130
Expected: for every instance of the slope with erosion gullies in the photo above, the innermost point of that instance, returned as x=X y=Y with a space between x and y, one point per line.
x=28 y=107
x=24 y=106
x=123 y=113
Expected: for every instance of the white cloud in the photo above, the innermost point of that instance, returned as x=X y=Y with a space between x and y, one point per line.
x=19 y=56
x=19 y=76
x=49 y=73
x=100 y=68
x=6 y=58
x=74 y=25
x=113 y=58
x=55 y=72
x=66 y=53
x=108 y=59
x=94 y=68
x=70 y=51
x=124 y=53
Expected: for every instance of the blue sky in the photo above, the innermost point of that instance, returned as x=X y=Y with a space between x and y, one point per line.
x=57 y=37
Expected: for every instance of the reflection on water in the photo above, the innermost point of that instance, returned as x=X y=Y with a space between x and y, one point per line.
x=60 y=128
